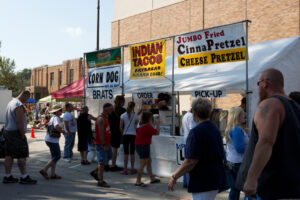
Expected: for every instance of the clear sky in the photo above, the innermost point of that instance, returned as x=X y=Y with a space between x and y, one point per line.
x=40 y=32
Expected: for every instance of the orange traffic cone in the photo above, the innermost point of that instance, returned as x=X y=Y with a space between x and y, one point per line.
x=32 y=133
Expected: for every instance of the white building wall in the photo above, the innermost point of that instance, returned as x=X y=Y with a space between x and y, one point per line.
x=127 y=8
x=6 y=96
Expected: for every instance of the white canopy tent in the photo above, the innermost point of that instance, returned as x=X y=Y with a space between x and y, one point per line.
x=281 y=54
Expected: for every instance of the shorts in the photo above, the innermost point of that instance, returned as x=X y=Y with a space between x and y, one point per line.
x=115 y=140
x=15 y=145
x=83 y=142
x=128 y=144
x=54 y=150
x=102 y=156
x=143 y=151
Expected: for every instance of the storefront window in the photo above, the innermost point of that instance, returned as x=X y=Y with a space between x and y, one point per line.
x=60 y=78
x=52 y=79
x=71 y=75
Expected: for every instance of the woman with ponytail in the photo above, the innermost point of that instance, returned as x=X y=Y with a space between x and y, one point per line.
x=237 y=141
x=128 y=124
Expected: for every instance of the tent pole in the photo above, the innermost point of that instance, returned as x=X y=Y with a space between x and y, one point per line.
x=247 y=81
x=84 y=92
x=178 y=109
x=122 y=55
x=173 y=90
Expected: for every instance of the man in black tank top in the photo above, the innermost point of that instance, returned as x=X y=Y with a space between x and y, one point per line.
x=271 y=165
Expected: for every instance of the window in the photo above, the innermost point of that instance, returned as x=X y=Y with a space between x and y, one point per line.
x=52 y=79
x=60 y=78
x=71 y=75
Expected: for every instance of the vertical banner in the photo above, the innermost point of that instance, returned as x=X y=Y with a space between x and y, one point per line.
x=148 y=60
x=213 y=46
x=103 y=58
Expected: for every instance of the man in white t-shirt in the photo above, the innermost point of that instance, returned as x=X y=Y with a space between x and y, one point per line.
x=70 y=130
x=187 y=124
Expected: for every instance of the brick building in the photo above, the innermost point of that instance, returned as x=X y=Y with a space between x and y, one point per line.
x=47 y=79
x=138 y=21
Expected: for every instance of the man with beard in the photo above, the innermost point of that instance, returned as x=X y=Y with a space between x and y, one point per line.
x=271 y=163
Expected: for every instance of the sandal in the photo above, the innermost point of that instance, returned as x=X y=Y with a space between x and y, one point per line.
x=55 y=177
x=124 y=172
x=155 y=181
x=140 y=185
x=44 y=174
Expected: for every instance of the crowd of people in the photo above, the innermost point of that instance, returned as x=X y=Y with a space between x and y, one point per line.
x=263 y=164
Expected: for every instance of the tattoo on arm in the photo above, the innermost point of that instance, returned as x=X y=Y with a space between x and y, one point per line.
x=264 y=111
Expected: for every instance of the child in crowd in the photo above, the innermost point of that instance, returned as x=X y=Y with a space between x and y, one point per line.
x=143 y=141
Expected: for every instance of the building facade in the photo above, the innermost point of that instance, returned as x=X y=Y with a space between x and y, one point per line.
x=47 y=79
x=137 y=21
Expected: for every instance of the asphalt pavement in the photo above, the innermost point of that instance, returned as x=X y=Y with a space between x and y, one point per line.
x=76 y=183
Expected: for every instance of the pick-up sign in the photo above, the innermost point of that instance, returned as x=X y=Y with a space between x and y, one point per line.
x=209 y=94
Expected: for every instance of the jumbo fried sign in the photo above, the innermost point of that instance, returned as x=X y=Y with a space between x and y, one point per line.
x=148 y=60
x=213 y=46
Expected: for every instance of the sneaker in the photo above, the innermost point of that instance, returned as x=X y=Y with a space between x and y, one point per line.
x=67 y=160
x=94 y=174
x=107 y=168
x=10 y=179
x=27 y=180
x=103 y=184
x=116 y=168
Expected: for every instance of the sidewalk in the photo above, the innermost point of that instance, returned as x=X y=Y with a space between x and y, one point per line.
x=78 y=184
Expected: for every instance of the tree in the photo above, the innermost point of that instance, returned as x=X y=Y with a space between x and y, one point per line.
x=23 y=80
x=7 y=77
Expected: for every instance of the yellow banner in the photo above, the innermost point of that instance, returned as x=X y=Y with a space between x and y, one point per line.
x=215 y=57
x=148 y=60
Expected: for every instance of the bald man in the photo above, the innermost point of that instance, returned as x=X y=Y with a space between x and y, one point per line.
x=271 y=165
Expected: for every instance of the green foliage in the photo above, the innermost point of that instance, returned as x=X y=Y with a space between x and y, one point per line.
x=23 y=80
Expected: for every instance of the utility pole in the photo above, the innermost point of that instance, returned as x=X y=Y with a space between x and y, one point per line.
x=98 y=23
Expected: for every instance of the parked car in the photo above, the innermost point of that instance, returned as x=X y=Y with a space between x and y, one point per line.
x=2 y=141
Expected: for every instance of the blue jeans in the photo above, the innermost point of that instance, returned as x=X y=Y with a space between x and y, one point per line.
x=69 y=144
x=54 y=150
x=102 y=156
x=234 y=193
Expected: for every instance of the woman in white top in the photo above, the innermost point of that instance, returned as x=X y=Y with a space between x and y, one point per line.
x=237 y=141
x=53 y=143
x=128 y=124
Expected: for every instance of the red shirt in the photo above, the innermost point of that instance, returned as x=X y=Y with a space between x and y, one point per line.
x=106 y=131
x=144 y=134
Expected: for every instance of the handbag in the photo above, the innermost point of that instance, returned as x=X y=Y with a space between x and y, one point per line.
x=228 y=179
x=52 y=131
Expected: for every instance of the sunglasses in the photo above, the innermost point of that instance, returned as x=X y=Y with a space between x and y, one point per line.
x=258 y=82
